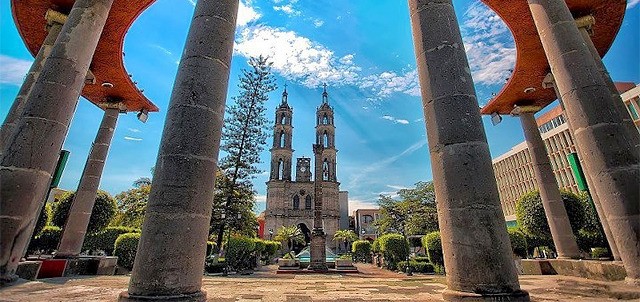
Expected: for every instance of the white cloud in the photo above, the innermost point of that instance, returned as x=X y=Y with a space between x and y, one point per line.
x=297 y=58
x=389 y=82
x=632 y=3
x=318 y=23
x=13 y=70
x=355 y=204
x=489 y=45
x=287 y=9
x=261 y=198
x=134 y=130
x=135 y=139
x=395 y=120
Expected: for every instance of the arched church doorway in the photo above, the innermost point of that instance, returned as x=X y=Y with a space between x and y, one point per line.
x=307 y=238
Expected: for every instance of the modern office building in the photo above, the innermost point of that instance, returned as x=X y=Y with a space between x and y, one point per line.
x=514 y=169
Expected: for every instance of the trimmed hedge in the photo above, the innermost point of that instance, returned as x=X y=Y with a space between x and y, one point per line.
x=47 y=241
x=394 y=248
x=417 y=267
x=375 y=246
x=239 y=253
x=433 y=245
x=105 y=240
x=421 y=259
x=125 y=249
x=260 y=245
x=518 y=242
x=271 y=248
x=587 y=240
x=361 y=250
x=104 y=210
x=532 y=219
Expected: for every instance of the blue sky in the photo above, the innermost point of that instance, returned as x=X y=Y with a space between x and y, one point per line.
x=362 y=50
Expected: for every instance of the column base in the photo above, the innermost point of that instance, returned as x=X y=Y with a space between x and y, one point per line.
x=8 y=279
x=457 y=296
x=195 y=297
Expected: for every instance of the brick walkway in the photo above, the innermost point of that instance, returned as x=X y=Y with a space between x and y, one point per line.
x=372 y=285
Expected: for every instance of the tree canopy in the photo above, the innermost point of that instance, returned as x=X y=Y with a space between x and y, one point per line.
x=412 y=212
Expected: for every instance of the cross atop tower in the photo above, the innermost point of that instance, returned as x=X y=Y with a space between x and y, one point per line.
x=325 y=95
x=285 y=94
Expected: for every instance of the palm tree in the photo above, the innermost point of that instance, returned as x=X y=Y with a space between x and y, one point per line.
x=345 y=236
x=289 y=234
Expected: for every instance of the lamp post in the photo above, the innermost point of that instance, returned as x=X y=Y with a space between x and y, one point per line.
x=270 y=234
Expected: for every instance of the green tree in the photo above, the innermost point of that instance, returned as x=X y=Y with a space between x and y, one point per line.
x=238 y=216
x=132 y=205
x=532 y=219
x=413 y=213
x=289 y=235
x=346 y=237
x=103 y=211
x=245 y=130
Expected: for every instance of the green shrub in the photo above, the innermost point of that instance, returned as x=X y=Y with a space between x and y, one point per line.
x=261 y=245
x=394 y=248
x=518 y=242
x=421 y=259
x=271 y=248
x=103 y=211
x=47 y=241
x=600 y=252
x=361 y=250
x=417 y=267
x=43 y=219
x=587 y=240
x=346 y=257
x=433 y=244
x=213 y=265
x=532 y=219
x=211 y=247
x=125 y=249
x=239 y=253
x=375 y=246
x=105 y=240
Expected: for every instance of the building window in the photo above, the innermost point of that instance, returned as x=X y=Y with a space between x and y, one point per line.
x=632 y=111
x=282 y=137
x=296 y=202
x=307 y=202
x=325 y=170
x=367 y=219
x=281 y=169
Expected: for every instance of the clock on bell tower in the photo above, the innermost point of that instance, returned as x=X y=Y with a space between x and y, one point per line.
x=303 y=169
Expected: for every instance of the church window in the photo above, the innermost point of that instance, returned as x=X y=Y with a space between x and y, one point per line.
x=325 y=170
x=281 y=169
x=325 y=139
x=282 y=138
x=296 y=202
x=283 y=120
x=325 y=119
x=307 y=202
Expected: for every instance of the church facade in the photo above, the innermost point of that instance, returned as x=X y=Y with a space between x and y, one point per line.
x=290 y=198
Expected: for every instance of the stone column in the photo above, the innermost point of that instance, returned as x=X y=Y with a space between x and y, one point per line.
x=610 y=152
x=75 y=228
x=31 y=152
x=170 y=258
x=561 y=232
x=476 y=246
x=550 y=82
x=55 y=20
x=318 y=253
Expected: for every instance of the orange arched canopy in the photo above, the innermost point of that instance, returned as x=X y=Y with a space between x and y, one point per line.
x=531 y=63
x=107 y=64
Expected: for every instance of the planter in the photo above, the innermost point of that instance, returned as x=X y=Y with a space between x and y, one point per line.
x=288 y=263
x=343 y=263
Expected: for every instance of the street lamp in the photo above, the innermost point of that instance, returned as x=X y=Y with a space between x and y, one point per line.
x=270 y=233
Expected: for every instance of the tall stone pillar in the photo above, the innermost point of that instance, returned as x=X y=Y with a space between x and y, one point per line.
x=75 y=228
x=318 y=253
x=554 y=209
x=55 y=20
x=170 y=258
x=610 y=152
x=592 y=188
x=476 y=246
x=31 y=152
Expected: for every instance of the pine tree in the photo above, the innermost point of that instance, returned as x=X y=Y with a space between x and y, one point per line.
x=245 y=131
